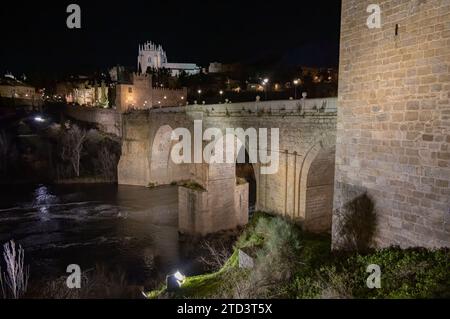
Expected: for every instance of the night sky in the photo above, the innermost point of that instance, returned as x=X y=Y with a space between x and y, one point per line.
x=35 y=38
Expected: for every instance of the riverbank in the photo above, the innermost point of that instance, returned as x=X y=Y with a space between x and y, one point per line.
x=49 y=152
x=85 y=180
x=289 y=263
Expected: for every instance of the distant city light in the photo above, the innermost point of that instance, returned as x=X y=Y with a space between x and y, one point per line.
x=39 y=119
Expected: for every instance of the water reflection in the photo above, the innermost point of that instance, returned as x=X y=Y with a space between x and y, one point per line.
x=42 y=201
x=132 y=228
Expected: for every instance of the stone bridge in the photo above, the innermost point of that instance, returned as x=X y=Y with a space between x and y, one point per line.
x=301 y=189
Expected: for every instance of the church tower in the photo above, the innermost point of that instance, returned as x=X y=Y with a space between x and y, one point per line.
x=150 y=56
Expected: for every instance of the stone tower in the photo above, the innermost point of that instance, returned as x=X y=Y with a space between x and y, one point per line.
x=150 y=56
x=393 y=132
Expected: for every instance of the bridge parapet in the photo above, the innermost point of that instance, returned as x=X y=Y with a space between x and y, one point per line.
x=308 y=106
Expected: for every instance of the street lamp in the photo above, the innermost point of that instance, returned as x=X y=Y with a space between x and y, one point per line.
x=296 y=81
x=264 y=83
x=221 y=94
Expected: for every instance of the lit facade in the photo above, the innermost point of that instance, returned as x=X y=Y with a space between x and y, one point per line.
x=154 y=57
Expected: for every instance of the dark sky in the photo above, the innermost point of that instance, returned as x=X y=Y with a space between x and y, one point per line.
x=35 y=37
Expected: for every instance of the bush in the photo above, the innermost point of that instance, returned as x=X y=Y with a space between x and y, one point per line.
x=278 y=243
x=409 y=273
x=96 y=283
x=405 y=273
x=292 y=264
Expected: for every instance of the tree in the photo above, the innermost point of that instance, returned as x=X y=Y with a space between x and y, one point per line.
x=103 y=96
x=107 y=163
x=72 y=146
x=5 y=148
x=8 y=153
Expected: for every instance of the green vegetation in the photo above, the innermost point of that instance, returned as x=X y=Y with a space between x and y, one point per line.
x=185 y=183
x=292 y=264
x=191 y=185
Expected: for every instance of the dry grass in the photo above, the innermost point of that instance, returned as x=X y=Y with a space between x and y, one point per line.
x=14 y=282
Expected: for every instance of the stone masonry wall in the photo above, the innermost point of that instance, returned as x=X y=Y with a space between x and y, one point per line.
x=393 y=132
x=164 y=97
x=107 y=120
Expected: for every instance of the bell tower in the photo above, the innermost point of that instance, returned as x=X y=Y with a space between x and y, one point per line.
x=150 y=56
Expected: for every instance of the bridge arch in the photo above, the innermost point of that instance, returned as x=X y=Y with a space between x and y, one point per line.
x=161 y=165
x=223 y=180
x=248 y=172
x=162 y=169
x=316 y=185
x=240 y=149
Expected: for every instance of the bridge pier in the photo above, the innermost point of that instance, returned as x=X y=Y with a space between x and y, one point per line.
x=202 y=212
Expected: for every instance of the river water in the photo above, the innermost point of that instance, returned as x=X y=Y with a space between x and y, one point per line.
x=131 y=228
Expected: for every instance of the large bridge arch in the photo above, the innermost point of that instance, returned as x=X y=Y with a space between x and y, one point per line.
x=316 y=185
x=161 y=165
x=162 y=170
x=222 y=204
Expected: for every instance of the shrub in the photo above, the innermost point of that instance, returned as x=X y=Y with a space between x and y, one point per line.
x=275 y=261
x=99 y=282
x=409 y=273
x=293 y=264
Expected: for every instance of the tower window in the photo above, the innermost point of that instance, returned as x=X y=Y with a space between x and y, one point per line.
x=130 y=90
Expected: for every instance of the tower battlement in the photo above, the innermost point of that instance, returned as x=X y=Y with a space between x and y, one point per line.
x=150 y=46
